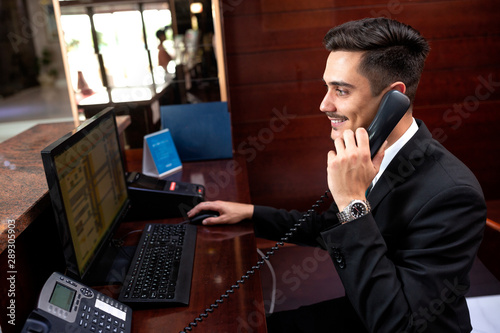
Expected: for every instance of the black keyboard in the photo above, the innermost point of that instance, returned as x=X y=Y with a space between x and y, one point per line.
x=161 y=270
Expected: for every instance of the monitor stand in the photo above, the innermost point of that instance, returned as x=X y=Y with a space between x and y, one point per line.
x=111 y=267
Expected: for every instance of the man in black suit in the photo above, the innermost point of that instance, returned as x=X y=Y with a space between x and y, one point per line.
x=404 y=248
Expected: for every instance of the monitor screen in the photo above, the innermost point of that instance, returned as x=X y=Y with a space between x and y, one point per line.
x=87 y=187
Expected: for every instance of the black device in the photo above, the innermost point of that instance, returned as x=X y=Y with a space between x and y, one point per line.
x=392 y=108
x=162 y=267
x=90 y=196
x=88 y=191
x=198 y=219
x=153 y=198
x=66 y=305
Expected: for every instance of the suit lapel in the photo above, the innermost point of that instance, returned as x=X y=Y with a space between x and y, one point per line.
x=403 y=165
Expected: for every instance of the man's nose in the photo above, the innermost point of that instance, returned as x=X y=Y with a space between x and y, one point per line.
x=327 y=104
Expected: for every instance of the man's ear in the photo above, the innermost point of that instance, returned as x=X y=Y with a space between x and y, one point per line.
x=399 y=86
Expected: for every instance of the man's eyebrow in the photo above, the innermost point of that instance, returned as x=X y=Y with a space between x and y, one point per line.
x=340 y=84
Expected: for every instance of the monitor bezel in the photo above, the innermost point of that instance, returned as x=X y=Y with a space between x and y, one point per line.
x=48 y=154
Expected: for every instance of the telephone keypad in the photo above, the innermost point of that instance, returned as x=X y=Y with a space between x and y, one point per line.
x=100 y=322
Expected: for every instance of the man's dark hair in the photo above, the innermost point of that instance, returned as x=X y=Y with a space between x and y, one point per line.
x=393 y=51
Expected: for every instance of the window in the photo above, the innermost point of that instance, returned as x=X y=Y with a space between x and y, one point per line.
x=126 y=42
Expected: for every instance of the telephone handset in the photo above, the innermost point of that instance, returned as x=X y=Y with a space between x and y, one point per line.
x=393 y=106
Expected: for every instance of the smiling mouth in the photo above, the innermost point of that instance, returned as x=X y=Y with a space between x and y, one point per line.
x=337 y=121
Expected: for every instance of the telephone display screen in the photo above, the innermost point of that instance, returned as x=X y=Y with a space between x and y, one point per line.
x=62 y=297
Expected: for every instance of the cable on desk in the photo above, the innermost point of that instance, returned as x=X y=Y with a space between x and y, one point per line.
x=118 y=242
x=273 y=276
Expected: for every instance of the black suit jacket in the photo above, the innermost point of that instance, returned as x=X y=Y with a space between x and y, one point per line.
x=405 y=266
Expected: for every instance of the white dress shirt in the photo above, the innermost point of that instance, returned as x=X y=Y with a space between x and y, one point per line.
x=391 y=151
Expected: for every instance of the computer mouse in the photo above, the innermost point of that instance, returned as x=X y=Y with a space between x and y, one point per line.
x=198 y=219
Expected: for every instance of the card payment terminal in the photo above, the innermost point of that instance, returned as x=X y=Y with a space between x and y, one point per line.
x=65 y=305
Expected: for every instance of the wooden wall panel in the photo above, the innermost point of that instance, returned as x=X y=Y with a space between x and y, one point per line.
x=275 y=66
x=257 y=102
x=304 y=29
x=455 y=86
x=472 y=136
x=308 y=64
x=258 y=7
x=290 y=65
x=289 y=165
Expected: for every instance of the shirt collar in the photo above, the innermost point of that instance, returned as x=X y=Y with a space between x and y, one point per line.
x=391 y=151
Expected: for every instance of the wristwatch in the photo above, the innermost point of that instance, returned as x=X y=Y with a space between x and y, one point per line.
x=355 y=209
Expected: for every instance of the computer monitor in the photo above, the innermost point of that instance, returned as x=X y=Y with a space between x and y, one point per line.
x=88 y=189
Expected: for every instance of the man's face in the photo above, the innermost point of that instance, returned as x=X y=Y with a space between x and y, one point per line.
x=348 y=103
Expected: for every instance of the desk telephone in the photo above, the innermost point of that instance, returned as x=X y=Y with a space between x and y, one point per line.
x=65 y=305
x=392 y=108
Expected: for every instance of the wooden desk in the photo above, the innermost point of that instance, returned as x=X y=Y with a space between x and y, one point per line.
x=24 y=191
x=223 y=255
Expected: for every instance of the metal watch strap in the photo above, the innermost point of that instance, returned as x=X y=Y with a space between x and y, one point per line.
x=343 y=216
x=346 y=216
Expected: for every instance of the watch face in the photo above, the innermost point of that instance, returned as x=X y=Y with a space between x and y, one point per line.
x=358 y=209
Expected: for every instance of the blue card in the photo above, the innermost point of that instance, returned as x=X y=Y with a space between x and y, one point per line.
x=160 y=157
